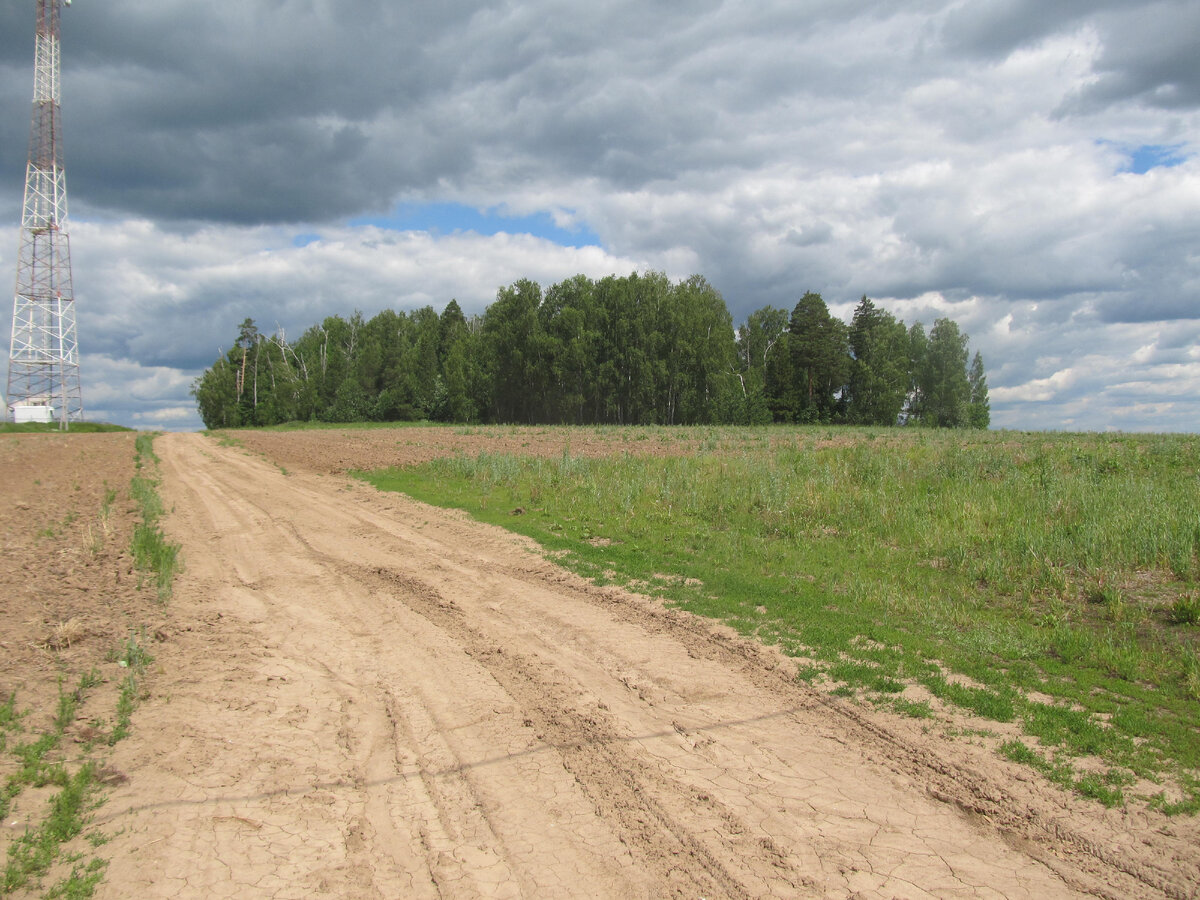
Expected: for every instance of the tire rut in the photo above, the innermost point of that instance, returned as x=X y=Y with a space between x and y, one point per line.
x=622 y=787
x=451 y=715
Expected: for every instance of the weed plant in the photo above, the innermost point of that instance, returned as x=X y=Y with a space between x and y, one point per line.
x=134 y=658
x=1065 y=565
x=81 y=883
x=31 y=855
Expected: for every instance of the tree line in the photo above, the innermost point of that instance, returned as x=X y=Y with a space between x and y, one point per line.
x=631 y=350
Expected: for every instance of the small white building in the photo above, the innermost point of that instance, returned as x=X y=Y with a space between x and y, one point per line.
x=33 y=411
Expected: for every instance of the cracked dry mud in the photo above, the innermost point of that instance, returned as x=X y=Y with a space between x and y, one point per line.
x=363 y=696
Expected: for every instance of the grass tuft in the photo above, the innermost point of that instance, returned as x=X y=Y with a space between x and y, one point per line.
x=1186 y=609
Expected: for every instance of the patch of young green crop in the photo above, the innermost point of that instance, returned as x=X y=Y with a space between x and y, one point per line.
x=144 y=492
x=996 y=705
x=32 y=768
x=227 y=439
x=1025 y=562
x=143 y=449
x=1061 y=725
x=312 y=425
x=1186 y=609
x=67 y=705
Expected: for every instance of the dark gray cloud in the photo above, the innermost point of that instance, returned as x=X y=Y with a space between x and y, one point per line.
x=184 y=110
x=949 y=158
x=1150 y=57
x=995 y=28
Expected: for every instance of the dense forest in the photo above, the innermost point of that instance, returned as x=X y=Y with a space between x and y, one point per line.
x=622 y=350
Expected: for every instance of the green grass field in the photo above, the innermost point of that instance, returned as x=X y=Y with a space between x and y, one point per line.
x=1060 y=574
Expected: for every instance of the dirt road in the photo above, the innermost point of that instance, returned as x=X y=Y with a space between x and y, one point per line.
x=361 y=696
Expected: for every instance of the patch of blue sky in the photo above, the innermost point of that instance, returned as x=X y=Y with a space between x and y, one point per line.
x=1154 y=156
x=448 y=218
x=303 y=240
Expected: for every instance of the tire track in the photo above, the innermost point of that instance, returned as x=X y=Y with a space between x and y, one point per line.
x=441 y=713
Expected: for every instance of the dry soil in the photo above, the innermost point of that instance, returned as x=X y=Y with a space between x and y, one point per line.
x=357 y=695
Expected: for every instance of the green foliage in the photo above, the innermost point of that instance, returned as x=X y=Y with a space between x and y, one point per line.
x=810 y=373
x=914 y=710
x=942 y=378
x=996 y=705
x=8 y=712
x=979 y=413
x=899 y=558
x=31 y=855
x=1186 y=609
x=1105 y=788
x=622 y=350
x=152 y=552
x=67 y=704
x=81 y=883
x=879 y=371
x=133 y=657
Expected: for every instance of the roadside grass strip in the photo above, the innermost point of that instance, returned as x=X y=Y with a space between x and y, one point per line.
x=152 y=552
x=1051 y=581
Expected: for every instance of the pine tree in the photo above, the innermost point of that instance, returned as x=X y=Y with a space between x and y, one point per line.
x=820 y=360
x=879 y=372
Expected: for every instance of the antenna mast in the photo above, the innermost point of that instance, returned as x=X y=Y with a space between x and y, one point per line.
x=43 y=362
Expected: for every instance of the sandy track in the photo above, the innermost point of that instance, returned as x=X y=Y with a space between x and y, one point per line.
x=365 y=697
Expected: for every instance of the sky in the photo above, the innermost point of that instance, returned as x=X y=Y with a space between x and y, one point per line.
x=1028 y=168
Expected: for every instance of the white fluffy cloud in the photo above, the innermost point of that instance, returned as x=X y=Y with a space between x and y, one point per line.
x=1029 y=169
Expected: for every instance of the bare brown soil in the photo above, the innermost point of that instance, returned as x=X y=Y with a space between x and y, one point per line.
x=70 y=593
x=70 y=597
x=361 y=696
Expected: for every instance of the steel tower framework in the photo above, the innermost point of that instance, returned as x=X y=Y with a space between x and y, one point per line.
x=43 y=363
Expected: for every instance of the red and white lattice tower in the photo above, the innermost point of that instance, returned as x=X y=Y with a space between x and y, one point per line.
x=43 y=362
